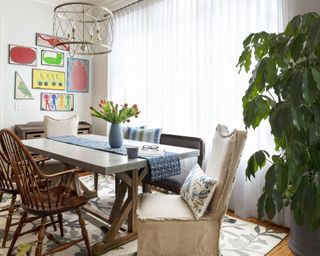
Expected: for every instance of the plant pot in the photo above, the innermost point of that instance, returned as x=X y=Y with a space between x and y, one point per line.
x=115 y=136
x=303 y=241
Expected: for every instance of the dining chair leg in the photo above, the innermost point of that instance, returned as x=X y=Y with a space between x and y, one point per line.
x=9 y=219
x=60 y=220
x=1 y=194
x=41 y=235
x=84 y=231
x=95 y=181
x=54 y=224
x=17 y=233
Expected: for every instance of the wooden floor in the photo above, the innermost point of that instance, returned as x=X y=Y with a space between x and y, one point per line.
x=281 y=249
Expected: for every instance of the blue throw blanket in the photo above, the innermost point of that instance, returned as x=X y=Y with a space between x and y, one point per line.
x=160 y=167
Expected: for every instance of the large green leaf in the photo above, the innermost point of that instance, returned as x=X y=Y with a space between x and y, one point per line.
x=294 y=87
x=245 y=59
x=309 y=89
x=278 y=200
x=270 y=207
x=261 y=205
x=316 y=77
x=247 y=41
x=270 y=180
x=270 y=70
x=280 y=119
x=255 y=111
x=296 y=46
x=282 y=178
x=256 y=161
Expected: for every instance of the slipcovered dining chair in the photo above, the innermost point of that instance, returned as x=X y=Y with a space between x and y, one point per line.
x=166 y=223
x=38 y=197
x=58 y=127
x=61 y=127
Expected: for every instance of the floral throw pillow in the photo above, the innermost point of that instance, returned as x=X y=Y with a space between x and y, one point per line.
x=198 y=190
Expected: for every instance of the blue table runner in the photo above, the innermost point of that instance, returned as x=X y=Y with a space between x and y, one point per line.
x=160 y=167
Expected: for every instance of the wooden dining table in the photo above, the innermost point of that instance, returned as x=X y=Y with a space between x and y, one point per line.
x=130 y=173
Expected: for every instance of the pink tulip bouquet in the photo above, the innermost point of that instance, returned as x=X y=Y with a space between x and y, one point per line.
x=115 y=113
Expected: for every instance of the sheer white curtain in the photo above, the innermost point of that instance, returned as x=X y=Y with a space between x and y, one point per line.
x=177 y=60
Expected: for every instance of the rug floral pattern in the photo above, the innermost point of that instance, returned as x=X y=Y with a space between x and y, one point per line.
x=238 y=238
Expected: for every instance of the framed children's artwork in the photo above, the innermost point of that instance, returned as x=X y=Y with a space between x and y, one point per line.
x=21 y=90
x=51 y=58
x=77 y=75
x=50 y=41
x=22 y=55
x=57 y=102
x=48 y=79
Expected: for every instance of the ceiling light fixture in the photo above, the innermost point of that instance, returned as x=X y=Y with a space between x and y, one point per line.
x=85 y=28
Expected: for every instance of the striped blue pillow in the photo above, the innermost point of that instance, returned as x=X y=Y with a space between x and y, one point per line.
x=151 y=135
x=125 y=130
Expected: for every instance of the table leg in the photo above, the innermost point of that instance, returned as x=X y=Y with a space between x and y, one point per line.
x=123 y=208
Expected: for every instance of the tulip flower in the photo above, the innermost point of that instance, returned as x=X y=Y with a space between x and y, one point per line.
x=112 y=113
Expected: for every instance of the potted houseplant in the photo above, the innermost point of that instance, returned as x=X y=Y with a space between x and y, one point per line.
x=116 y=115
x=285 y=89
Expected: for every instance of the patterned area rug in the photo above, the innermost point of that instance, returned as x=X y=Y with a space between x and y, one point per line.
x=238 y=237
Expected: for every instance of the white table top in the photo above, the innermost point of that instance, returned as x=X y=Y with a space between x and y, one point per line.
x=97 y=160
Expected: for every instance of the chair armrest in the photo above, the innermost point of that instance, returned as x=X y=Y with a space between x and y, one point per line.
x=71 y=171
x=40 y=158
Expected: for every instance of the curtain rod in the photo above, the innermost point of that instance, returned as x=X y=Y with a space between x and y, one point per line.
x=126 y=6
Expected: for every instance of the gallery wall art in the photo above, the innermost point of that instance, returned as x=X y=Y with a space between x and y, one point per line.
x=52 y=58
x=57 y=102
x=21 y=91
x=48 y=79
x=22 y=55
x=50 y=41
x=77 y=75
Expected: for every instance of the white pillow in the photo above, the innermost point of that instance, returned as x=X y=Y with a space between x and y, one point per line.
x=60 y=127
x=197 y=190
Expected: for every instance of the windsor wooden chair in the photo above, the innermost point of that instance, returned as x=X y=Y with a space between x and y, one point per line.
x=38 y=198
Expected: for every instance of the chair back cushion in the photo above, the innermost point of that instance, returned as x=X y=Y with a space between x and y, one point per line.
x=60 y=127
x=198 y=190
x=222 y=165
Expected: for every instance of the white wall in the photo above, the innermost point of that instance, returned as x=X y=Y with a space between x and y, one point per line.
x=300 y=7
x=21 y=20
x=99 y=90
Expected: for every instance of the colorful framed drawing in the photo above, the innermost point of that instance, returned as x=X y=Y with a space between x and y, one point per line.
x=51 y=58
x=57 y=102
x=21 y=91
x=77 y=75
x=50 y=41
x=48 y=79
x=22 y=55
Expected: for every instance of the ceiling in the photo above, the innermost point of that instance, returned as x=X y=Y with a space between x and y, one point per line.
x=110 y=4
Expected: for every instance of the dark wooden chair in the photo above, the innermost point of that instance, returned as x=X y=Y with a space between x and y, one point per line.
x=38 y=198
x=8 y=186
x=175 y=183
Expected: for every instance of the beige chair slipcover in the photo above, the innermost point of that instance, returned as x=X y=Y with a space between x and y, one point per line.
x=58 y=127
x=166 y=225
